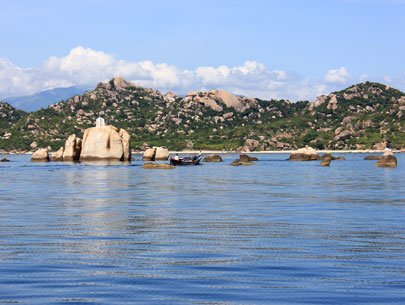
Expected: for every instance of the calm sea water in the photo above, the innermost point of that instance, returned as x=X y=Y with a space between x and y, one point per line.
x=277 y=232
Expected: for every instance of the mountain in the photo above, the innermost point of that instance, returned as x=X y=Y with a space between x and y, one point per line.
x=43 y=99
x=367 y=115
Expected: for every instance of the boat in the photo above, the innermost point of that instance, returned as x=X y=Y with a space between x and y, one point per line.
x=186 y=160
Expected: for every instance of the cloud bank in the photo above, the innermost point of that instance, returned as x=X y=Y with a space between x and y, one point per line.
x=87 y=67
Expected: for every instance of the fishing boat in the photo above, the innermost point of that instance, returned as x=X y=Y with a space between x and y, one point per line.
x=186 y=160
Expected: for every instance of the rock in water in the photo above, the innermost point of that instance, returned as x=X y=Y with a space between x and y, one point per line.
x=326 y=160
x=329 y=156
x=41 y=155
x=57 y=155
x=105 y=143
x=246 y=158
x=372 y=158
x=4 y=160
x=213 y=158
x=161 y=153
x=239 y=162
x=157 y=166
x=149 y=154
x=387 y=160
x=304 y=154
x=73 y=147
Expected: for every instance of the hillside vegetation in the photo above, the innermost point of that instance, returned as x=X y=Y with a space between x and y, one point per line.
x=363 y=116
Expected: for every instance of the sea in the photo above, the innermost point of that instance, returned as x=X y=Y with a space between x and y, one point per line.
x=276 y=232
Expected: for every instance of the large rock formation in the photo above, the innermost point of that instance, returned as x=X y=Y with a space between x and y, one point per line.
x=105 y=143
x=387 y=160
x=73 y=147
x=304 y=154
x=41 y=155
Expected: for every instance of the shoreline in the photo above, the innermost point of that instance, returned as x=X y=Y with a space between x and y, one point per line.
x=346 y=151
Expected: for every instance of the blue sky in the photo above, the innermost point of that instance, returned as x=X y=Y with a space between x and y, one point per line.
x=292 y=48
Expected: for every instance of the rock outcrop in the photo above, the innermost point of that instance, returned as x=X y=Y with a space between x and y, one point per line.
x=57 y=155
x=217 y=100
x=41 y=155
x=213 y=158
x=73 y=147
x=387 y=160
x=105 y=143
x=304 y=154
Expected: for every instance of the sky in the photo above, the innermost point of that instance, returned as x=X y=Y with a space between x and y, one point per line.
x=292 y=49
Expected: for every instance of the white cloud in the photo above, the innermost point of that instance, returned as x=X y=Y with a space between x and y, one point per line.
x=86 y=67
x=337 y=76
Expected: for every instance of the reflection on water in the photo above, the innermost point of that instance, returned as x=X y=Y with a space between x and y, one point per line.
x=274 y=233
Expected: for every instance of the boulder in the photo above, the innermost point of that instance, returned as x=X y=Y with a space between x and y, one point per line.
x=41 y=155
x=304 y=154
x=57 y=155
x=151 y=165
x=105 y=143
x=149 y=154
x=246 y=158
x=162 y=153
x=4 y=160
x=73 y=147
x=213 y=158
x=372 y=158
x=387 y=160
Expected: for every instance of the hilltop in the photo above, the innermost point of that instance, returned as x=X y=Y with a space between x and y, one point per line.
x=362 y=116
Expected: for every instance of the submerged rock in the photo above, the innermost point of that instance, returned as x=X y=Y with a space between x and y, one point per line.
x=41 y=155
x=387 y=160
x=239 y=162
x=4 y=160
x=372 y=158
x=213 y=158
x=151 y=165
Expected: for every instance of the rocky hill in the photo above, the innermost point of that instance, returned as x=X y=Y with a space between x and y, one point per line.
x=366 y=115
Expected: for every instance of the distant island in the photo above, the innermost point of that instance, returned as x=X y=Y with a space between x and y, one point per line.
x=363 y=116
